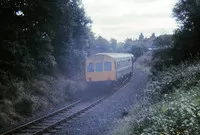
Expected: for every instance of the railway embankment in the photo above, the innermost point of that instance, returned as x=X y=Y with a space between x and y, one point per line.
x=37 y=97
x=170 y=105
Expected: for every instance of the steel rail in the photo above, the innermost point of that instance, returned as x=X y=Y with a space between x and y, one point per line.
x=40 y=119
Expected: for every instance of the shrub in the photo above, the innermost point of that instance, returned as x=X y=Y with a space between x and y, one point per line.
x=25 y=98
x=138 y=50
x=24 y=107
x=172 y=103
x=177 y=114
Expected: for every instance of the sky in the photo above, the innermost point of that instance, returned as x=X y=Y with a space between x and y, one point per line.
x=122 y=19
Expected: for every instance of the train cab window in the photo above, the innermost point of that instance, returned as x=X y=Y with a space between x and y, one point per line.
x=90 y=67
x=99 y=67
x=107 y=66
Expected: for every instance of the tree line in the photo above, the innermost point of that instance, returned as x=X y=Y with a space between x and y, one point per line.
x=38 y=35
x=135 y=46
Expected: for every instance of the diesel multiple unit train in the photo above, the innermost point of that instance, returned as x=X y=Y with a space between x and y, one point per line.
x=108 y=67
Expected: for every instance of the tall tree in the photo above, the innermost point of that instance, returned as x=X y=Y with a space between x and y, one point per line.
x=102 y=44
x=163 y=41
x=113 y=44
x=25 y=36
x=186 y=38
x=141 y=37
x=37 y=35
x=153 y=36
x=71 y=36
x=185 y=43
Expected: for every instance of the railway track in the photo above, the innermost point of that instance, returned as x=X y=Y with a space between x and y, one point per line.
x=54 y=121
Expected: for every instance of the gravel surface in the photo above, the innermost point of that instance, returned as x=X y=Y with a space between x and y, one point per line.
x=103 y=117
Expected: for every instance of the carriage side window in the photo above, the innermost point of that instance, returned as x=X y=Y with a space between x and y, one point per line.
x=90 y=67
x=107 y=66
x=99 y=67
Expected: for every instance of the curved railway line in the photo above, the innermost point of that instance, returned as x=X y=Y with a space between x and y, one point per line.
x=54 y=121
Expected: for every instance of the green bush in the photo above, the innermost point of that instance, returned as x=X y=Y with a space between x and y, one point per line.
x=138 y=50
x=172 y=100
x=182 y=76
x=24 y=107
x=161 y=60
x=25 y=98
x=177 y=114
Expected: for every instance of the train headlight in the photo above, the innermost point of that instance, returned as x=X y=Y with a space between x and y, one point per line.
x=109 y=78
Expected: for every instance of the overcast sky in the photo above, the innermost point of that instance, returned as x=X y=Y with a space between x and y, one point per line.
x=120 y=19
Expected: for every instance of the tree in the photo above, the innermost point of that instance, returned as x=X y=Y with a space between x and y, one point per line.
x=102 y=44
x=25 y=37
x=186 y=38
x=162 y=57
x=36 y=36
x=184 y=43
x=71 y=38
x=128 y=43
x=163 y=41
x=138 y=50
x=133 y=46
x=113 y=44
x=141 y=37
x=153 y=36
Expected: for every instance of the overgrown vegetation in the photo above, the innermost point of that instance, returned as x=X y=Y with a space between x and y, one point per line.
x=170 y=105
x=40 y=43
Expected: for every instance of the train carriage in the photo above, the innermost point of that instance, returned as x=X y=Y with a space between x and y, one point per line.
x=108 y=67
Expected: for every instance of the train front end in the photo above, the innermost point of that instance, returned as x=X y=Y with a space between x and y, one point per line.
x=100 y=70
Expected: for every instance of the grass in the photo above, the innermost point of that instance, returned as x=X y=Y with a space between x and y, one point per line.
x=171 y=105
x=20 y=100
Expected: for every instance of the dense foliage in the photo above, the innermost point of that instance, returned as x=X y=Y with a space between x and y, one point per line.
x=184 y=44
x=171 y=105
x=161 y=56
x=37 y=35
x=39 y=40
x=186 y=38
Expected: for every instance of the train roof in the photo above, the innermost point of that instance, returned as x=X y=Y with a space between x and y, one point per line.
x=116 y=55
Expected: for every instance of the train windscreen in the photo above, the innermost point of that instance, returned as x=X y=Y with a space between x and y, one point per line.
x=90 y=67
x=107 y=66
x=99 y=67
